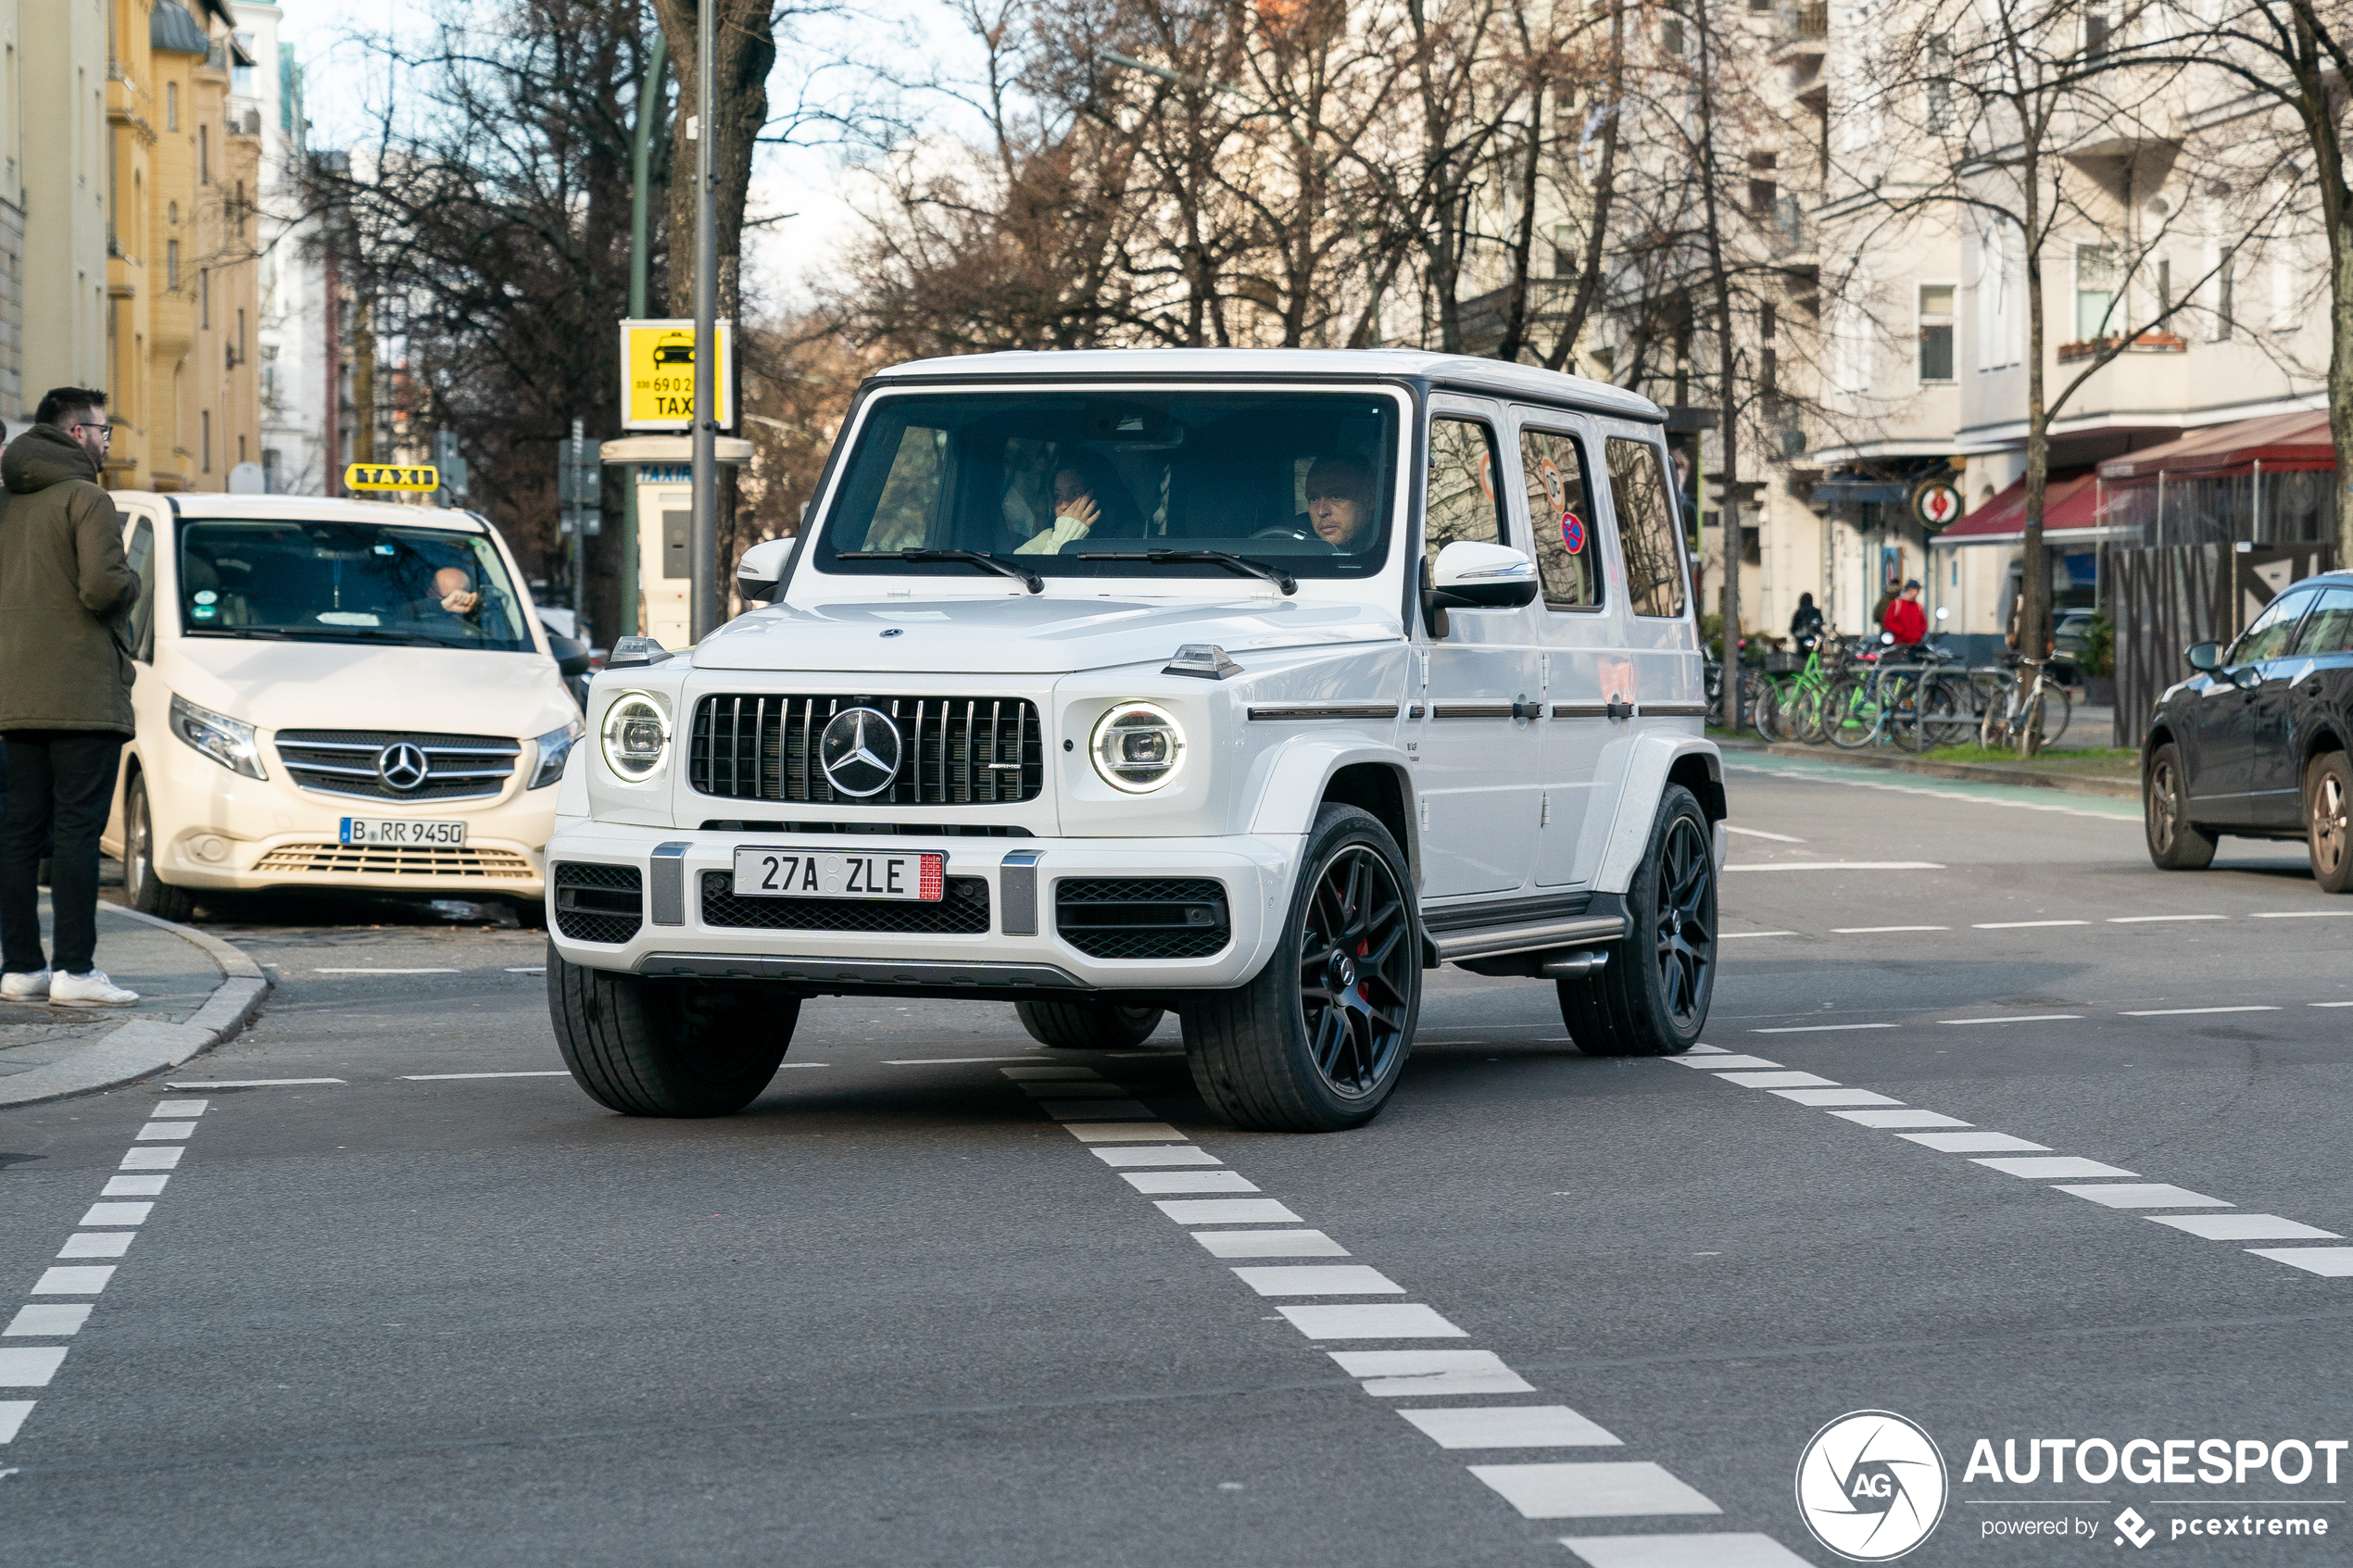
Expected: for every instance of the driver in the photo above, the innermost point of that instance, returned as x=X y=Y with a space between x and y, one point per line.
x=1340 y=503
x=453 y=591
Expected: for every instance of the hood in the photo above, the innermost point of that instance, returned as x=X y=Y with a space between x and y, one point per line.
x=1028 y=634
x=42 y=456
x=346 y=686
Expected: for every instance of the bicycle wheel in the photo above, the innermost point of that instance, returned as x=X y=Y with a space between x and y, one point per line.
x=1800 y=715
x=2057 y=708
x=1851 y=713
x=2026 y=731
x=1762 y=700
x=1944 y=718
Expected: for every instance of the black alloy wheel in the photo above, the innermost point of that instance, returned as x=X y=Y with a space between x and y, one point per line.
x=1355 y=952
x=2175 y=843
x=1683 y=938
x=1652 y=997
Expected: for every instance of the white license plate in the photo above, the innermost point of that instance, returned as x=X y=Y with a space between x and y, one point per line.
x=400 y=831
x=817 y=873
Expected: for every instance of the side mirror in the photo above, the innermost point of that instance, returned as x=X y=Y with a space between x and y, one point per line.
x=761 y=567
x=2246 y=677
x=1944 y=612
x=2205 y=658
x=572 y=655
x=1474 y=576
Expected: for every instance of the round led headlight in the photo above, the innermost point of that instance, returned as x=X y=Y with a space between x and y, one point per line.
x=636 y=736
x=1138 y=747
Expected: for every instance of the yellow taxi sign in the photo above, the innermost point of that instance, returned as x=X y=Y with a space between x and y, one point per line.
x=392 y=476
x=658 y=374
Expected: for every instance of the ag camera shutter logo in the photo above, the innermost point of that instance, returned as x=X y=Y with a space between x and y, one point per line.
x=1872 y=1485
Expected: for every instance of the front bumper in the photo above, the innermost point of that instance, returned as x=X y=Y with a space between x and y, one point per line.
x=1022 y=953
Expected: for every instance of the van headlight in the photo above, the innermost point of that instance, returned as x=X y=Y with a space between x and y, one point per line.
x=230 y=741
x=554 y=748
x=636 y=736
x=1138 y=747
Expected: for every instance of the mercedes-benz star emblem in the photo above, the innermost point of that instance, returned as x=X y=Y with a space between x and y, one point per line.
x=402 y=766
x=859 y=750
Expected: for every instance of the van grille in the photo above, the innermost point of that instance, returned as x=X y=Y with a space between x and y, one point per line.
x=380 y=860
x=956 y=750
x=344 y=762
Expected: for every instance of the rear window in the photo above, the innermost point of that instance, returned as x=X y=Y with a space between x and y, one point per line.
x=1646 y=528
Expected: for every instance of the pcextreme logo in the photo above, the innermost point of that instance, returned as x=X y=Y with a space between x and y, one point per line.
x=1872 y=1485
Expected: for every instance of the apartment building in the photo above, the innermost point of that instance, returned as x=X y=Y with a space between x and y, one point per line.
x=53 y=199
x=291 y=336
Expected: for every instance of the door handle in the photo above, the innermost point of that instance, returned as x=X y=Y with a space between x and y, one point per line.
x=1619 y=709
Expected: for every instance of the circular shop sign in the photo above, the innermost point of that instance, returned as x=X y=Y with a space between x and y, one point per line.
x=1936 y=504
x=1872 y=1485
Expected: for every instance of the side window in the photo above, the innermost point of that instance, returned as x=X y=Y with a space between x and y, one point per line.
x=140 y=551
x=2329 y=629
x=2268 y=637
x=908 y=514
x=1561 y=512
x=1646 y=528
x=1462 y=501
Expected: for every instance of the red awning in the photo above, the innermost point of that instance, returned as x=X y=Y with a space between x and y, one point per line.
x=2283 y=441
x=2070 y=499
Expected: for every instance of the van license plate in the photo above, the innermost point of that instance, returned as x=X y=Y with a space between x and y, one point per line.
x=817 y=873
x=402 y=832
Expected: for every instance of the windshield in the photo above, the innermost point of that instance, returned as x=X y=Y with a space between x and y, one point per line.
x=1055 y=482
x=347 y=583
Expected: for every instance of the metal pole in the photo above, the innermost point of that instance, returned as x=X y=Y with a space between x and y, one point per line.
x=705 y=606
x=648 y=101
x=578 y=526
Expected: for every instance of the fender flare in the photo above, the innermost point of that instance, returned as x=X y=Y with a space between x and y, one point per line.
x=1654 y=756
x=1288 y=782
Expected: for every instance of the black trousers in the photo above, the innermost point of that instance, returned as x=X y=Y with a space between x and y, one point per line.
x=60 y=786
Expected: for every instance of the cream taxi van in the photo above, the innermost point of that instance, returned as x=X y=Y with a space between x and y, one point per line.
x=333 y=694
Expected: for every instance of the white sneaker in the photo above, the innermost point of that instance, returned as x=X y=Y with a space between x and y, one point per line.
x=91 y=990
x=24 y=985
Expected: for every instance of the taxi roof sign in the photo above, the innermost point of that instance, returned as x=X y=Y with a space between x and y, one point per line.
x=658 y=374
x=412 y=476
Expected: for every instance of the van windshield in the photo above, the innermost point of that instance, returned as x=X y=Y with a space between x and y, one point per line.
x=1065 y=484
x=347 y=583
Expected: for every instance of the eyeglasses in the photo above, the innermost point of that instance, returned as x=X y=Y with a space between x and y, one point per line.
x=106 y=431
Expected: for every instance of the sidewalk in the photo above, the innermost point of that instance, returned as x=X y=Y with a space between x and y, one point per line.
x=194 y=990
x=2116 y=779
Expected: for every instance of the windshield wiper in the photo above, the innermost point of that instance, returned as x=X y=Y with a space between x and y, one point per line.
x=1022 y=575
x=1242 y=564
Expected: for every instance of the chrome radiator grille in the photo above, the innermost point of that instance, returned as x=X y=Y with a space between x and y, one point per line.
x=346 y=762
x=955 y=750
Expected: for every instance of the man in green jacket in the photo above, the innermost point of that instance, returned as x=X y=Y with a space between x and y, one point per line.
x=66 y=595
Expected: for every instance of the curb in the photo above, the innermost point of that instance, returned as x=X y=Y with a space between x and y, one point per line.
x=142 y=1047
x=1972 y=772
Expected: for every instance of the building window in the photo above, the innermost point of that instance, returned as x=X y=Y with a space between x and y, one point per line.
x=1671 y=36
x=1936 y=332
x=171 y=264
x=2094 y=292
x=171 y=106
x=1762 y=186
x=241 y=76
x=204 y=297
x=237 y=351
x=204 y=154
x=1939 y=59
x=171 y=213
x=2099 y=25
x=204 y=422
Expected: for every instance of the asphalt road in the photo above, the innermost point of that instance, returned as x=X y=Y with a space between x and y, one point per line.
x=897 y=1313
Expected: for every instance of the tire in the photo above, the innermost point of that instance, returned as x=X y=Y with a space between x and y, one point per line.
x=2028 y=732
x=1087 y=1026
x=1850 y=714
x=1307 y=1046
x=1802 y=716
x=2328 y=834
x=1944 y=713
x=1763 y=700
x=146 y=891
x=2175 y=843
x=668 y=1047
x=1651 y=997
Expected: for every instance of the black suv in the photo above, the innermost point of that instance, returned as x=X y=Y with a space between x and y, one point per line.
x=2254 y=742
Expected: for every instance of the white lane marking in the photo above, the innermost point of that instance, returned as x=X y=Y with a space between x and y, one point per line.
x=1189 y=1181
x=2182 y=1012
x=2301 y=914
x=1073 y=1088
x=1603 y=1489
x=1729 y=1549
x=1973 y=1142
x=383 y=971
x=29 y=1366
x=1389 y=1374
x=2022 y=925
x=1828 y=1098
x=2051 y=1167
x=248 y=1083
x=150 y=1159
x=96 y=1244
x=132 y=1186
x=1817 y=776
x=1819 y=1028
x=1736 y=935
x=118 y=1214
x=949 y=1061
x=1721 y=1059
x=452 y=1077
x=1131 y=1132
x=2329 y=1004
x=2155 y=919
x=2017 y=1018
x=1269 y=1244
x=1510 y=1426
x=1400 y=1320
x=1319 y=1279
x=48 y=1320
x=2244 y=1228
x=1837 y=866
x=784 y=1064
x=1095 y=1110
x=1778 y=1079
x=179 y=1108
x=1900 y=1118
x=1707 y=1051
x=1760 y=832
x=527 y=969
x=12 y=1414
x=73 y=1282
x=2329 y=1262
x=158 y=1132
x=1226 y=1211
x=1877 y=930
x=1033 y=1073
x=1185 y=1155
x=2145 y=1194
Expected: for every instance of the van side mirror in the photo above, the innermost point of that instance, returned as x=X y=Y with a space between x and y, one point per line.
x=2204 y=658
x=763 y=567
x=1469 y=575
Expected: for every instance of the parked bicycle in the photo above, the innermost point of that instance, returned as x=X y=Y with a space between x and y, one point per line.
x=2026 y=716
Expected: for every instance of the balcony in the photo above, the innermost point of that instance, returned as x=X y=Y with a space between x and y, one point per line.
x=2147 y=343
x=1805 y=33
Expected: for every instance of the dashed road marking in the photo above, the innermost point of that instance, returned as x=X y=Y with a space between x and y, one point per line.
x=1721 y=1060
x=2145 y=1194
x=161 y=1132
x=2022 y=924
x=1393 y=1375
x=2051 y=1167
x=1603 y=1489
x=1819 y=1028
x=2244 y=1228
x=2302 y=914
x=30 y=1366
x=1902 y=1118
x=118 y=1214
x=249 y=1083
x=1182 y=1155
x=453 y=1077
x=1094 y=1110
x=2329 y=1262
x=2184 y=1013
x=1760 y=832
x=47 y=1320
x=1786 y=1079
x=2016 y=1018
x=1319 y=1279
x=1827 y=1098
x=949 y=1060
x=2158 y=920
x=1509 y=1426
x=1128 y=1131
x=1881 y=929
x=1836 y=866
x=1386 y=1320
x=1973 y=1142
x=1269 y=1244
x=1189 y=1181
x=1720 y=937
x=1226 y=1211
x=1727 y=1551
x=384 y=972
x=73 y=1282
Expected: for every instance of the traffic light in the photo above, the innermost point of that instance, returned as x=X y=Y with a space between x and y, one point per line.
x=452 y=466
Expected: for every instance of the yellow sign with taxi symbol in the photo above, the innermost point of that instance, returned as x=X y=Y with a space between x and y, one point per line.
x=658 y=374
x=410 y=477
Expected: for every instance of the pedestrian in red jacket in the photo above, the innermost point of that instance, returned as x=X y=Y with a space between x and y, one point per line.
x=1907 y=621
